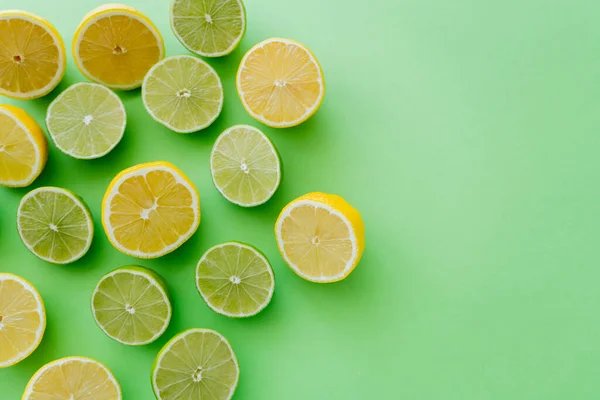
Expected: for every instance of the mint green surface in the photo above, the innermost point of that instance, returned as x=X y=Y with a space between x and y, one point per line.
x=466 y=132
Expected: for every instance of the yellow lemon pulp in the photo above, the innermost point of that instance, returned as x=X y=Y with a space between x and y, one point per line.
x=321 y=237
x=73 y=378
x=150 y=210
x=116 y=45
x=22 y=319
x=23 y=147
x=280 y=83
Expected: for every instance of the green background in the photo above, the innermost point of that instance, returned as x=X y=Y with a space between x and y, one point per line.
x=465 y=131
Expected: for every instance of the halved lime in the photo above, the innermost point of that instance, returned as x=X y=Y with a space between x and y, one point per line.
x=196 y=364
x=131 y=305
x=245 y=166
x=183 y=93
x=55 y=225
x=210 y=28
x=86 y=121
x=235 y=279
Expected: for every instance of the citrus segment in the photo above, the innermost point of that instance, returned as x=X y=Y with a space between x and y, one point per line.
x=22 y=319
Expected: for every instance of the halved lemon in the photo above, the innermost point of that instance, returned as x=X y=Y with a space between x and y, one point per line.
x=321 y=237
x=150 y=210
x=23 y=147
x=73 y=378
x=32 y=55
x=22 y=319
x=280 y=83
x=116 y=45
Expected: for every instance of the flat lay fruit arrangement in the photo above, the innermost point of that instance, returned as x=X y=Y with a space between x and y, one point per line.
x=151 y=209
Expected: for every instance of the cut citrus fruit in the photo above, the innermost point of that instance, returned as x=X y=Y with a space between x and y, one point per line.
x=183 y=93
x=235 y=279
x=196 y=364
x=55 y=225
x=86 y=121
x=245 y=166
x=22 y=319
x=280 y=83
x=23 y=147
x=32 y=55
x=73 y=378
x=150 y=210
x=131 y=305
x=321 y=237
x=210 y=28
x=116 y=45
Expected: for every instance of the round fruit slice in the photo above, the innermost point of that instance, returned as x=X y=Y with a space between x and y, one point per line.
x=23 y=147
x=280 y=83
x=235 y=279
x=183 y=93
x=196 y=364
x=32 y=55
x=321 y=237
x=116 y=45
x=73 y=378
x=86 y=121
x=245 y=166
x=55 y=225
x=131 y=305
x=22 y=319
x=210 y=28
x=150 y=210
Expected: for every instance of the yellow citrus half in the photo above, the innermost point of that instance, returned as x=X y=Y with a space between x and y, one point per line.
x=116 y=45
x=150 y=210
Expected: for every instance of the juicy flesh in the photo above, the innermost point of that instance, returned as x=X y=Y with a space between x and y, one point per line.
x=151 y=212
x=29 y=58
x=54 y=226
x=198 y=365
x=21 y=319
x=87 y=120
x=235 y=279
x=118 y=50
x=130 y=307
x=75 y=379
x=245 y=166
x=280 y=82
x=208 y=26
x=316 y=241
x=184 y=93
x=17 y=151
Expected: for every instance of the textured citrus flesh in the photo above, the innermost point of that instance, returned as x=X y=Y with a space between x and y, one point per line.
x=55 y=225
x=73 y=378
x=320 y=236
x=197 y=364
x=131 y=306
x=150 y=209
x=32 y=55
x=86 y=121
x=117 y=45
x=210 y=28
x=23 y=147
x=184 y=93
x=235 y=279
x=280 y=83
x=22 y=319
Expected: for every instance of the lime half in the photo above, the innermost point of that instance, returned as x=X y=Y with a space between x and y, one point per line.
x=245 y=166
x=235 y=279
x=131 y=305
x=55 y=225
x=183 y=93
x=86 y=121
x=196 y=364
x=210 y=28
